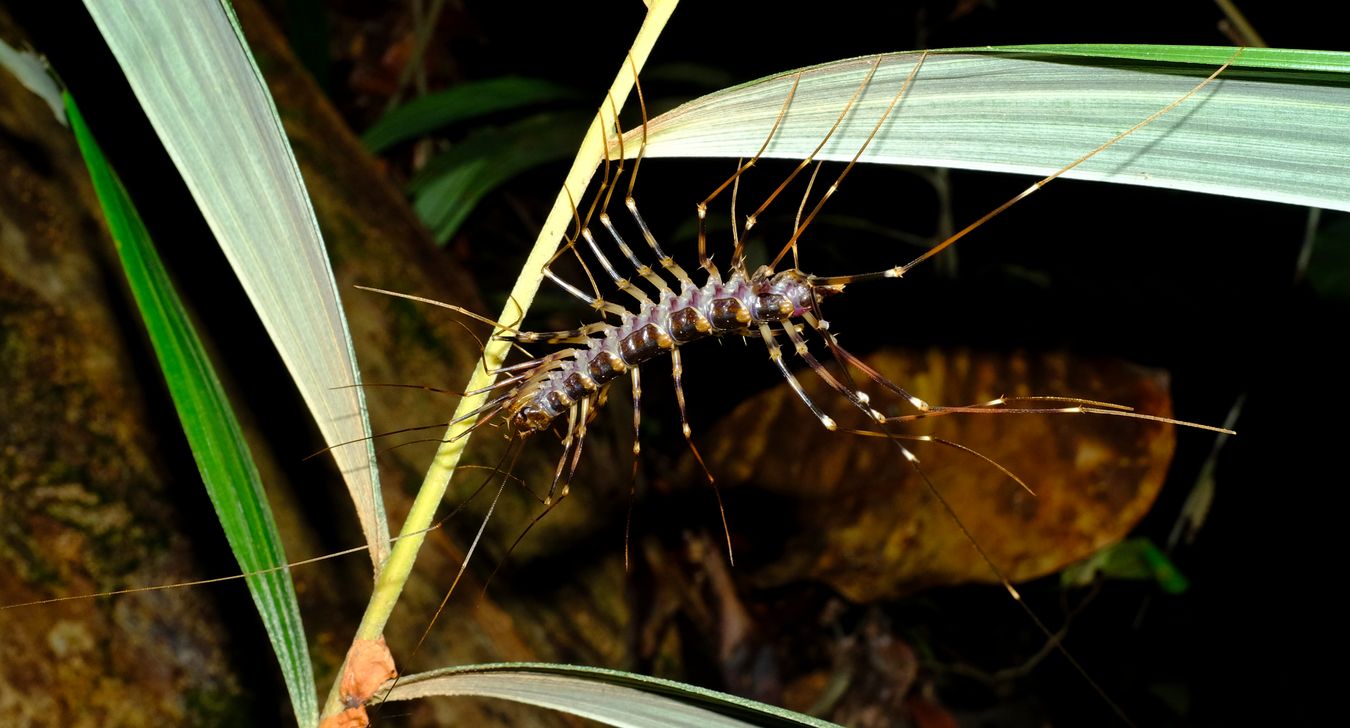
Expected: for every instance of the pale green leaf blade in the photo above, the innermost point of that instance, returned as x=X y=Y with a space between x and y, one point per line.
x=193 y=75
x=1272 y=129
x=213 y=433
x=609 y=696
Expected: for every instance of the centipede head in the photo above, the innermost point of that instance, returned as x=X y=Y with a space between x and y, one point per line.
x=528 y=419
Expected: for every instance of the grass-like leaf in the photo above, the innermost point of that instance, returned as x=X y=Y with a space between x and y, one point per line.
x=461 y=103
x=191 y=70
x=217 y=443
x=1273 y=126
x=609 y=696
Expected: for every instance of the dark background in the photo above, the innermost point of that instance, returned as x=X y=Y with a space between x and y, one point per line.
x=1207 y=288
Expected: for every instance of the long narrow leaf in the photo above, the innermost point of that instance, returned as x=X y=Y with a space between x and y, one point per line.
x=610 y=696
x=194 y=77
x=218 y=446
x=1273 y=126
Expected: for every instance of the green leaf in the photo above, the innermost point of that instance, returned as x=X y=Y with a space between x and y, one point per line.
x=1273 y=126
x=450 y=186
x=191 y=70
x=610 y=696
x=217 y=443
x=1135 y=559
x=461 y=103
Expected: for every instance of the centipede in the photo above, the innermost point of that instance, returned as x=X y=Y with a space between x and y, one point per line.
x=777 y=305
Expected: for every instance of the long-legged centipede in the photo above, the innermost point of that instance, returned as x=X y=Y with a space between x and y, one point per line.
x=1273 y=493
x=568 y=385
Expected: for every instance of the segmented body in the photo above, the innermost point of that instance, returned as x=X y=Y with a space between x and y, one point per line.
x=736 y=306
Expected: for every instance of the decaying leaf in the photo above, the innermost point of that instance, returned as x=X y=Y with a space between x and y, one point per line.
x=865 y=523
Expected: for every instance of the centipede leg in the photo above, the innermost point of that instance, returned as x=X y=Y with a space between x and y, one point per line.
x=858 y=397
x=847 y=358
x=677 y=372
x=582 y=421
x=637 y=450
x=776 y=356
x=567 y=447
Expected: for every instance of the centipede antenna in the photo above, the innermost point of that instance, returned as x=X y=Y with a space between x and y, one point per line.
x=901 y=270
x=457 y=309
x=829 y=192
x=392 y=385
x=400 y=431
x=548 y=508
x=204 y=582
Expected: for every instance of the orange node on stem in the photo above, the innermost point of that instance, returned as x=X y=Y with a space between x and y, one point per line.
x=350 y=718
x=369 y=665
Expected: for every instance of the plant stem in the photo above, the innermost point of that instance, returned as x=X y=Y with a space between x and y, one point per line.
x=397 y=568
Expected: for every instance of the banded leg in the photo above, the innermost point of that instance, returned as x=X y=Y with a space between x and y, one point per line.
x=582 y=421
x=823 y=327
x=595 y=301
x=623 y=284
x=857 y=93
x=858 y=397
x=776 y=356
x=677 y=374
x=704 y=260
x=667 y=263
x=637 y=450
x=567 y=447
x=642 y=268
x=834 y=187
x=570 y=336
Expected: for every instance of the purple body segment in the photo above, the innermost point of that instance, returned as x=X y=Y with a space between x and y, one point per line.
x=736 y=306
